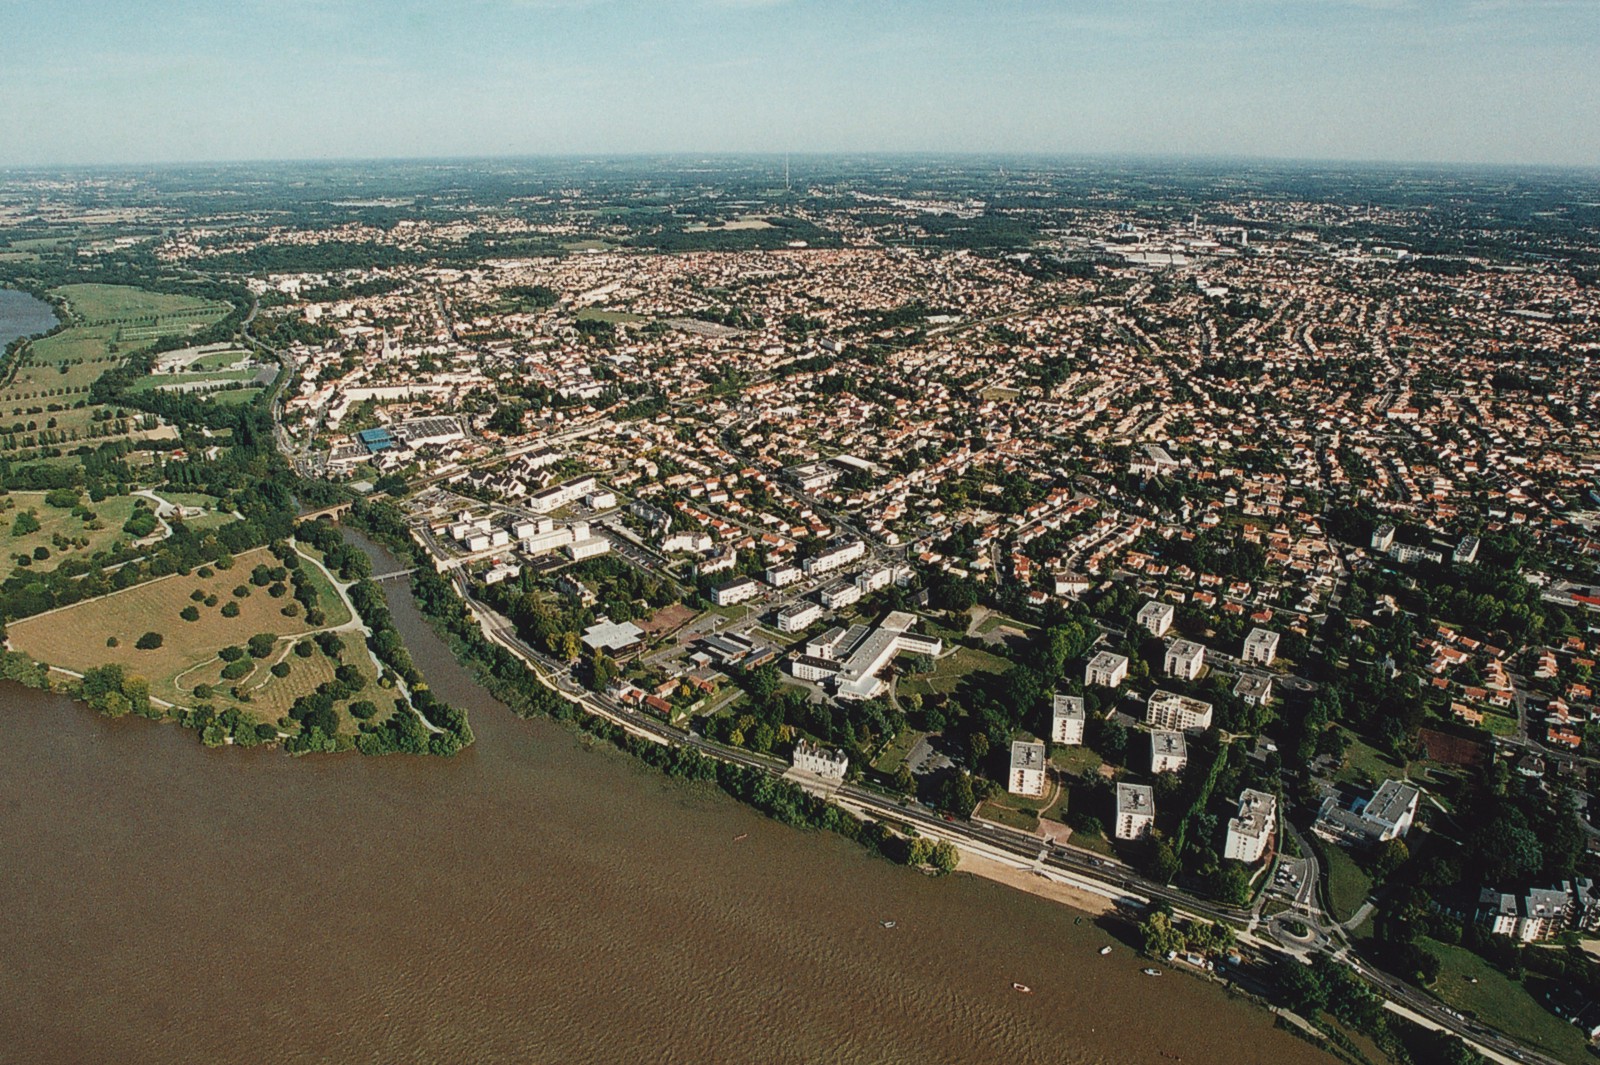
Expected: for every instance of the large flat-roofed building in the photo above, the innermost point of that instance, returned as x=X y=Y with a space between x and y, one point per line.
x=859 y=677
x=1106 y=670
x=589 y=547
x=1136 y=811
x=1169 y=710
x=1027 y=769
x=1382 y=537
x=1251 y=829
x=1169 y=751
x=1388 y=815
x=613 y=637
x=560 y=496
x=1156 y=617
x=835 y=642
x=1185 y=659
x=1261 y=647
x=1066 y=720
x=735 y=591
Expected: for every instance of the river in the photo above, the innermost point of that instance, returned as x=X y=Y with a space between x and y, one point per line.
x=22 y=315
x=536 y=899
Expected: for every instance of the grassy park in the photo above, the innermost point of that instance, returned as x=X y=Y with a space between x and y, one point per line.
x=108 y=630
x=950 y=669
x=1473 y=986
x=62 y=532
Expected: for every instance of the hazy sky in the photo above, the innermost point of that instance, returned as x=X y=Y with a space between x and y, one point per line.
x=102 y=81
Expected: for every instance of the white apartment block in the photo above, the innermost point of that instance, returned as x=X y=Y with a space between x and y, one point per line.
x=589 y=547
x=736 y=591
x=561 y=495
x=1179 y=713
x=797 y=617
x=1169 y=751
x=1066 y=720
x=1185 y=659
x=1106 y=669
x=839 y=595
x=1136 y=811
x=1156 y=617
x=1027 y=769
x=1251 y=829
x=1261 y=647
x=836 y=555
x=782 y=576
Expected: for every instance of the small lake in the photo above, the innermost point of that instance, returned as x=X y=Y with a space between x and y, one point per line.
x=22 y=315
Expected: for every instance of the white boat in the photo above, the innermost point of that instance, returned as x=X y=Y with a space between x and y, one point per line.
x=1024 y=988
x=1151 y=972
x=1104 y=951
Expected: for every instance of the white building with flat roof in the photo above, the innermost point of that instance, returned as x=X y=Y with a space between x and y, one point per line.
x=839 y=553
x=797 y=617
x=1136 y=811
x=1156 y=617
x=1106 y=670
x=1185 y=659
x=735 y=591
x=862 y=653
x=1169 y=751
x=1027 y=769
x=1169 y=710
x=1067 y=717
x=1261 y=647
x=782 y=576
x=1251 y=829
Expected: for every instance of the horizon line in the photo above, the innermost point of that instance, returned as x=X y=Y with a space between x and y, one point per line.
x=820 y=154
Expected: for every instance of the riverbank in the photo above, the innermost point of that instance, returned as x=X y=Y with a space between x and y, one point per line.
x=1044 y=887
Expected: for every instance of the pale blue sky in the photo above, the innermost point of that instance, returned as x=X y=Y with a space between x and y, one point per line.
x=107 y=81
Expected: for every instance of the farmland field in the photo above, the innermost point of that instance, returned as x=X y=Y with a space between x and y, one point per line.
x=43 y=400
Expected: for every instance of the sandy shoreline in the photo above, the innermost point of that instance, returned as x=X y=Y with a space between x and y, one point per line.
x=1034 y=884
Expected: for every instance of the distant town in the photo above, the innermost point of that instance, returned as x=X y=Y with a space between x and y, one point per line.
x=1221 y=546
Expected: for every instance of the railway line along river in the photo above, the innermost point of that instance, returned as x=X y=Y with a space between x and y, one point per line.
x=535 y=899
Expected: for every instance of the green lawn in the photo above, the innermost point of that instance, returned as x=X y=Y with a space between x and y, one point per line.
x=591 y=314
x=1498 y=1000
x=1024 y=816
x=1365 y=762
x=1499 y=725
x=231 y=396
x=1075 y=761
x=168 y=381
x=105 y=303
x=894 y=755
x=949 y=670
x=1348 y=885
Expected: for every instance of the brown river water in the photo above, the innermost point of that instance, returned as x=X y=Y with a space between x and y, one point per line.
x=535 y=899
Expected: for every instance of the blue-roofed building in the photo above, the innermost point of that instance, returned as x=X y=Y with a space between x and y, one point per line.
x=375 y=440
